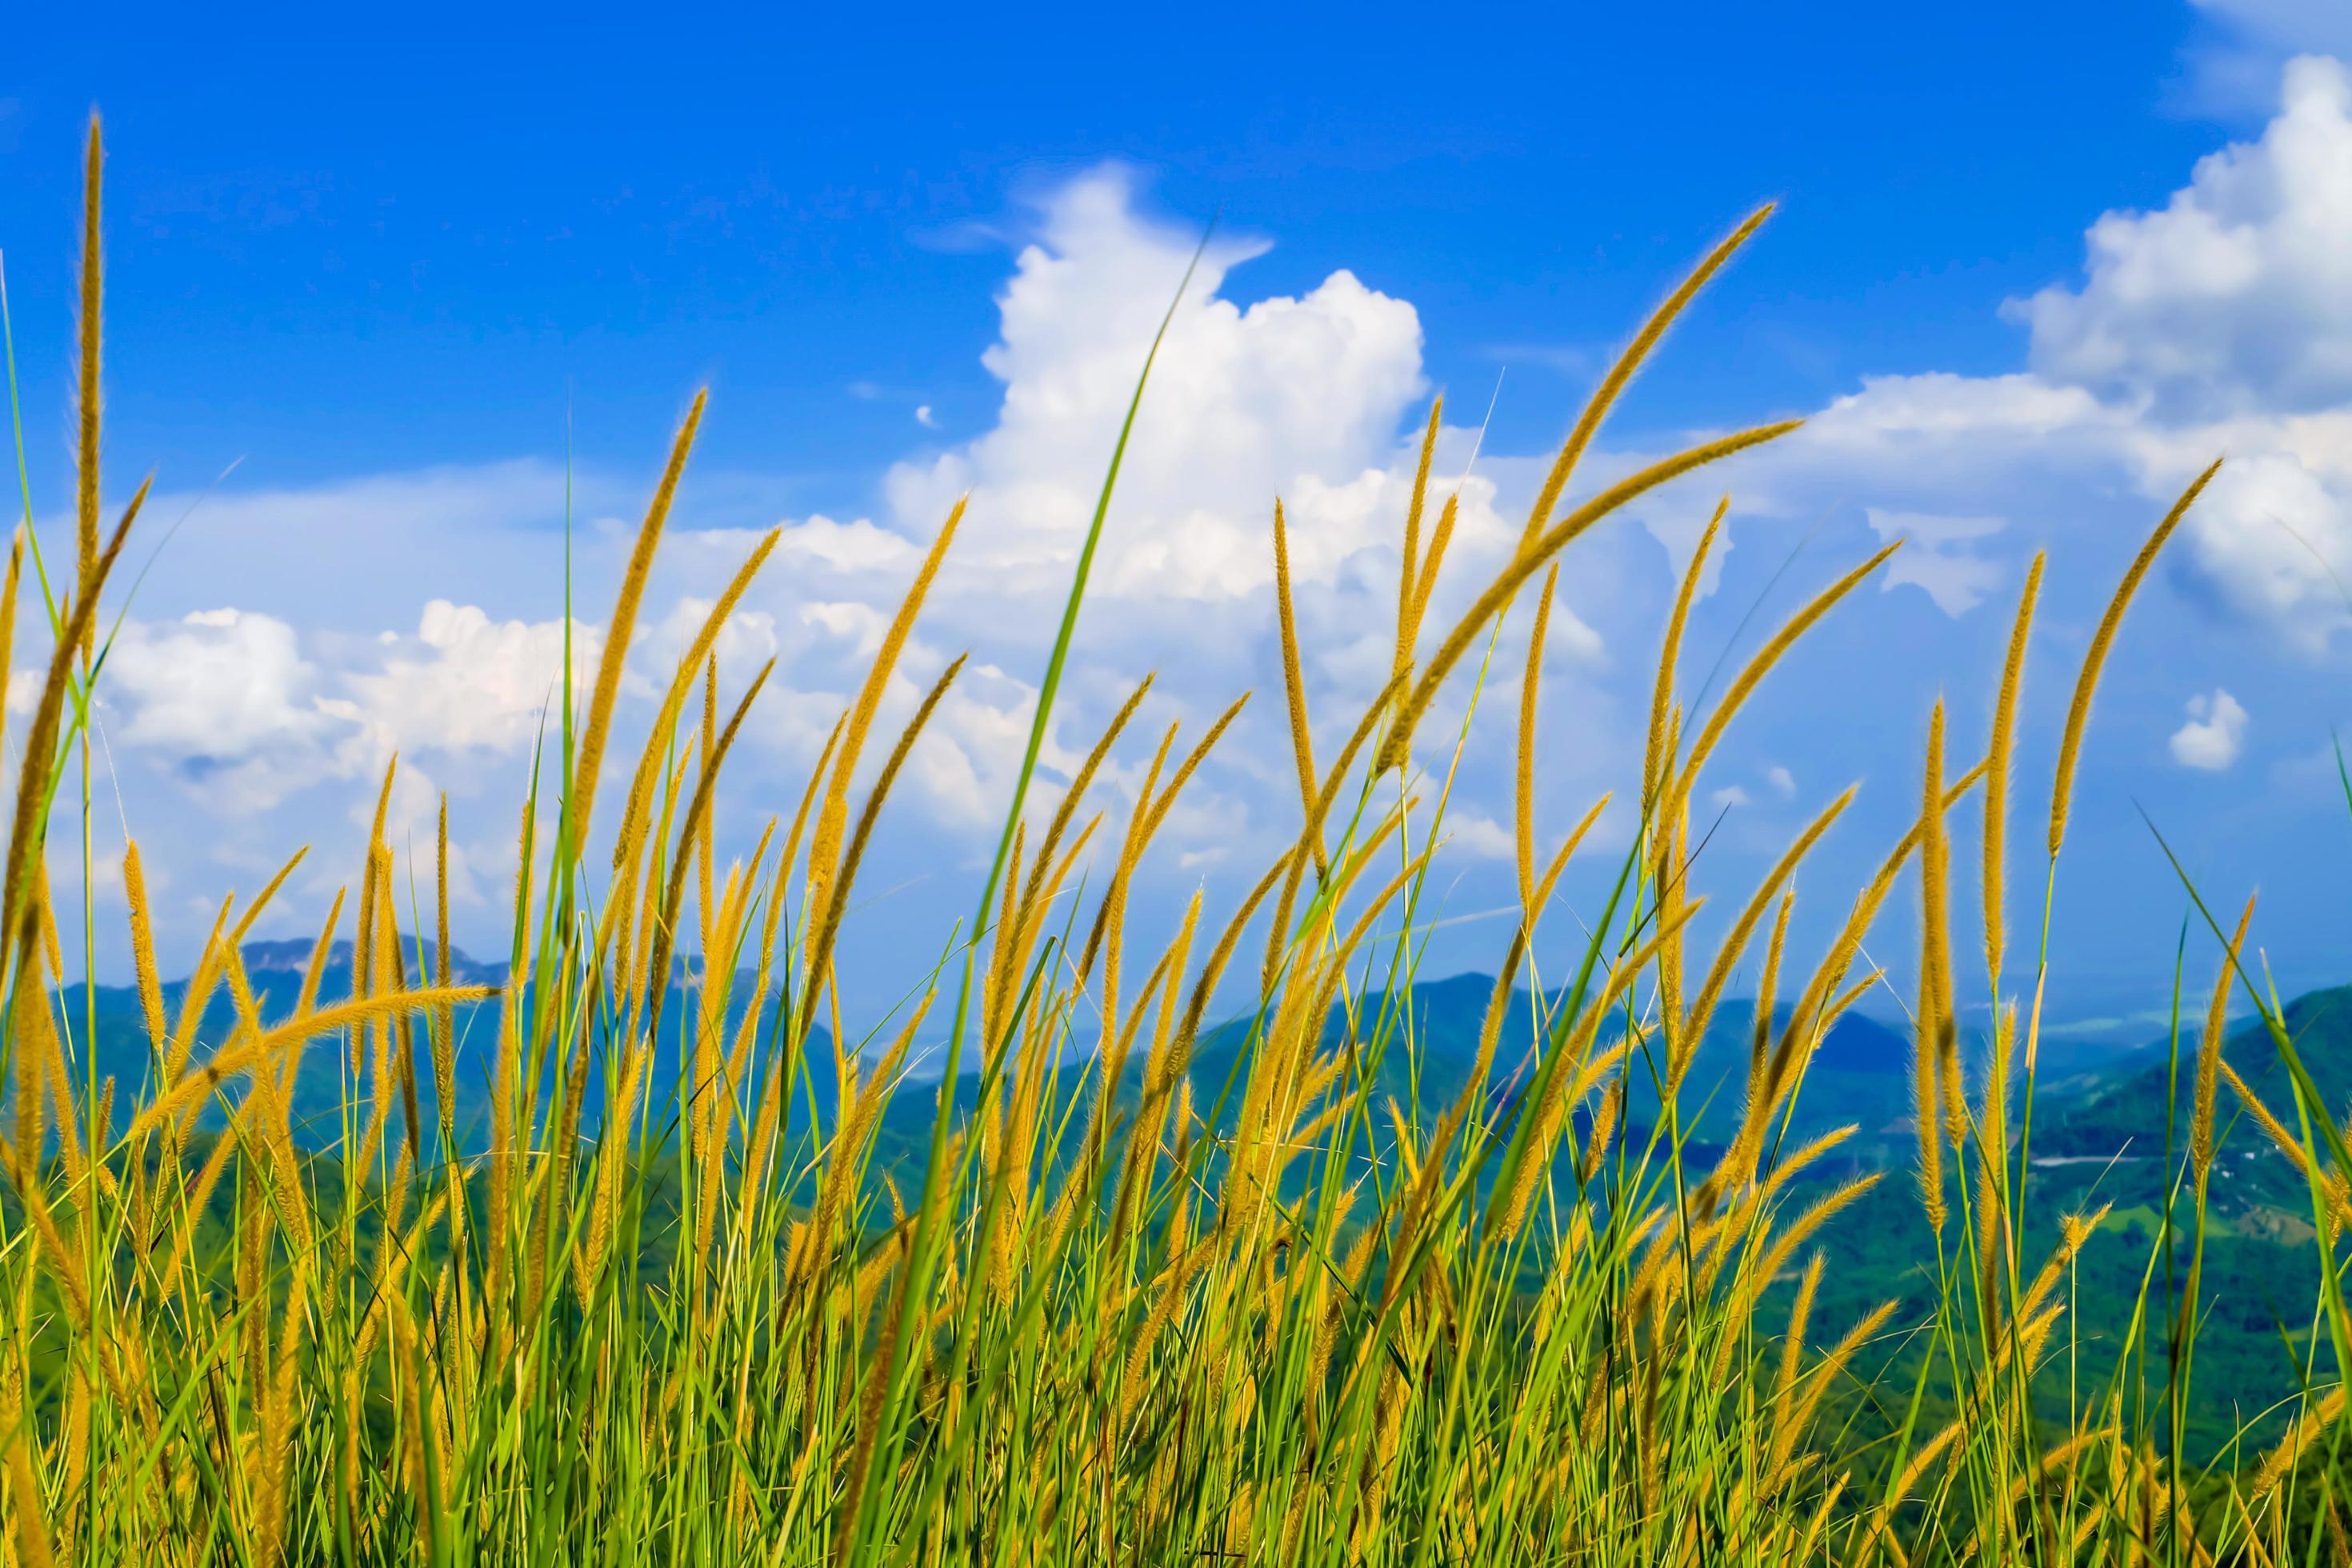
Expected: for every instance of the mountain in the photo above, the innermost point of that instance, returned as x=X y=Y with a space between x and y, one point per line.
x=2116 y=1112
x=2088 y=1114
x=120 y=1044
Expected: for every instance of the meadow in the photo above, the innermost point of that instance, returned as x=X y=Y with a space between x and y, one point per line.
x=1150 y=1275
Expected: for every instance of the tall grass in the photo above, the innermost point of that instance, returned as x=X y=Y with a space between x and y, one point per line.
x=1110 y=1317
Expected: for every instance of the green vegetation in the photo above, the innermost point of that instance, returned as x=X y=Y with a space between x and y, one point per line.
x=618 y=1251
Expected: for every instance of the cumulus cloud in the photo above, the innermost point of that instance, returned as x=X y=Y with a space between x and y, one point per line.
x=1475 y=833
x=2217 y=325
x=2223 y=320
x=2214 y=734
x=1941 y=560
x=466 y=682
x=233 y=705
x=1313 y=399
x=228 y=699
x=1244 y=406
x=2234 y=294
x=746 y=640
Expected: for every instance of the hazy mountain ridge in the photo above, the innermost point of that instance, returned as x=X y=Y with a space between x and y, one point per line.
x=2102 y=1104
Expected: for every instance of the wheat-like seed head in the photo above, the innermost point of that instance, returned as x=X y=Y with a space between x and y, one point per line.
x=1807 y=1013
x=698 y=812
x=32 y=1528
x=696 y=658
x=829 y=928
x=1524 y=795
x=1758 y=1273
x=1604 y=1128
x=2312 y=1423
x=1448 y=515
x=1293 y=866
x=255 y=1050
x=1933 y=1030
x=1735 y=941
x=1620 y=374
x=1677 y=791
x=1518 y=1181
x=833 y=815
x=1080 y=783
x=1997 y=761
x=1294 y=684
x=2286 y=1143
x=998 y=980
x=1560 y=857
x=9 y=588
x=1768 y=984
x=1192 y=762
x=2209 y=1053
x=1534 y=554
x=589 y=760
x=1657 y=760
x=30 y=1024
x=1823 y=1378
x=1408 y=571
x=25 y=836
x=700 y=845
x=85 y=380
x=1792 y=1352
x=2078 y=712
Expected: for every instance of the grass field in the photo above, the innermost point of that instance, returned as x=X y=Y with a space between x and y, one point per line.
x=663 y=1306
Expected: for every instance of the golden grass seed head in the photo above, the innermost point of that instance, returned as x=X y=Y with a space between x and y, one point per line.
x=2208 y=1052
x=588 y=762
x=2078 y=712
x=1997 y=765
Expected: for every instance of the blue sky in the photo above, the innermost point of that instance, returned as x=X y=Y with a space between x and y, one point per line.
x=379 y=274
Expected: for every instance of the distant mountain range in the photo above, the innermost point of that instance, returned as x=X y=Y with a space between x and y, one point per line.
x=2099 y=1132
x=2092 y=1102
x=2091 y=1106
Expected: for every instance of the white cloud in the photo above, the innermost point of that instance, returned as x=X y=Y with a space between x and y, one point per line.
x=1938 y=558
x=855 y=546
x=1299 y=397
x=227 y=698
x=2214 y=734
x=466 y=682
x=2238 y=292
x=1730 y=797
x=2225 y=320
x=244 y=715
x=2217 y=325
x=1783 y=782
x=747 y=640
x=1476 y=833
